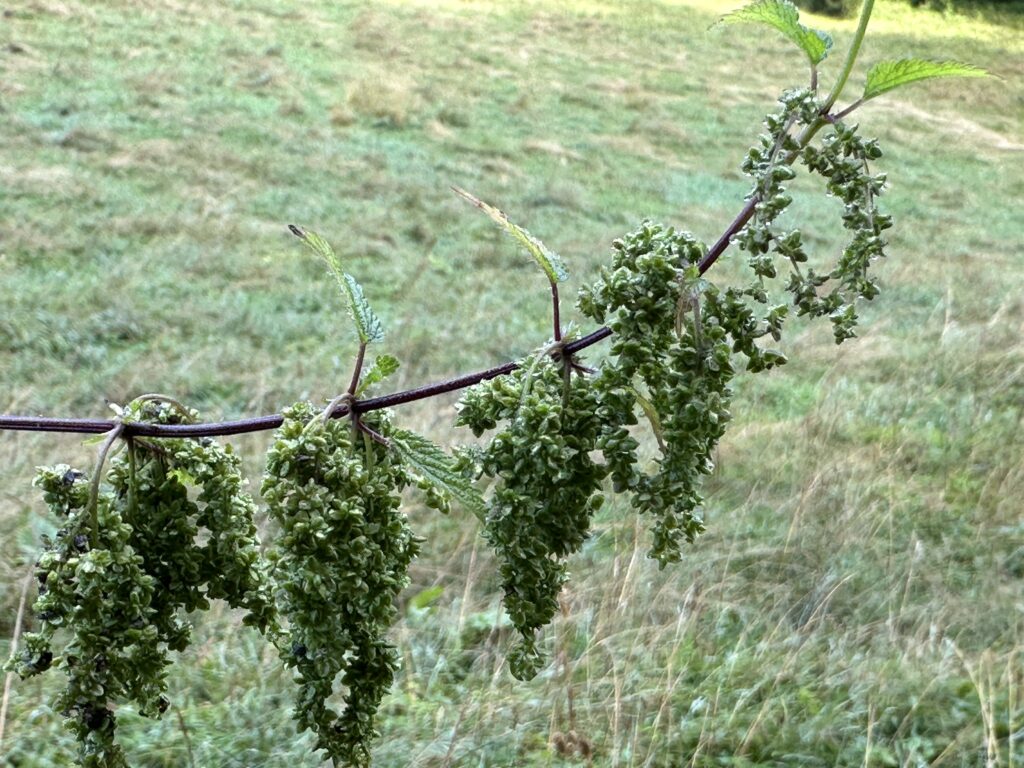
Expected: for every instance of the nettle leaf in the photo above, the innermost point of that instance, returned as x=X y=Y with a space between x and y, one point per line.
x=383 y=366
x=367 y=324
x=784 y=16
x=548 y=260
x=886 y=75
x=435 y=466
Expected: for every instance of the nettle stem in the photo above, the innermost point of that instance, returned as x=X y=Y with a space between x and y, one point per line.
x=358 y=370
x=851 y=56
x=555 y=312
x=273 y=421
x=840 y=115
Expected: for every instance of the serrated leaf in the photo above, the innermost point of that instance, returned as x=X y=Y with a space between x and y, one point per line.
x=549 y=261
x=886 y=75
x=435 y=466
x=383 y=366
x=367 y=324
x=784 y=16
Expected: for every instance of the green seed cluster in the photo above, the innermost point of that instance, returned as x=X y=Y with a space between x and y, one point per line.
x=548 y=486
x=670 y=356
x=168 y=523
x=767 y=165
x=119 y=588
x=339 y=562
x=98 y=589
x=843 y=159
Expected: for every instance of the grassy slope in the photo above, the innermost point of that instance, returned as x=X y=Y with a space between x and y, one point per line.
x=857 y=597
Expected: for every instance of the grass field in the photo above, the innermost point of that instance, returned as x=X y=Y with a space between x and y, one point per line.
x=858 y=599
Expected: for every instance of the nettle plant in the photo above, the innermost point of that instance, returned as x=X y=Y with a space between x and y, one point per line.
x=166 y=526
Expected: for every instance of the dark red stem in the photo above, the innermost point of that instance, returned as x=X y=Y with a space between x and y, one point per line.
x=722 y=243
x=358 y=369
x=262 y=423
x=555 y=312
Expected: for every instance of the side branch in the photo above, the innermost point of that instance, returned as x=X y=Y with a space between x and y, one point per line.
x=263 y=423
x=722 y=243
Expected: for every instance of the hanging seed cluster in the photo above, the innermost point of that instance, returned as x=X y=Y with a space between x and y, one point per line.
x=339 y=562
x=842 y=159
x=548 y=486
x=670 y=361
x=124 y=566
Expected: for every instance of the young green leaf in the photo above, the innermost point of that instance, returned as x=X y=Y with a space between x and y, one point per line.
x=548 y=260
x=367 y=324
x=435 y=466
x=383 y=366
x=886 y=75
x=783 y=16
x=319 y=246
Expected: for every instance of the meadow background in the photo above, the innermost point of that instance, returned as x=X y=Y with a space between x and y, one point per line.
x=858 y=598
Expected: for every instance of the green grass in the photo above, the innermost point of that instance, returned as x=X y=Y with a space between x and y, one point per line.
x=857 y=598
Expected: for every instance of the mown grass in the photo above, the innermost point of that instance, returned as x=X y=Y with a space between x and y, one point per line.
x=857 y=598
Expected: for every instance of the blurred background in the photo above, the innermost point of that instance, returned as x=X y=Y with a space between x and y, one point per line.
x=858 y=598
